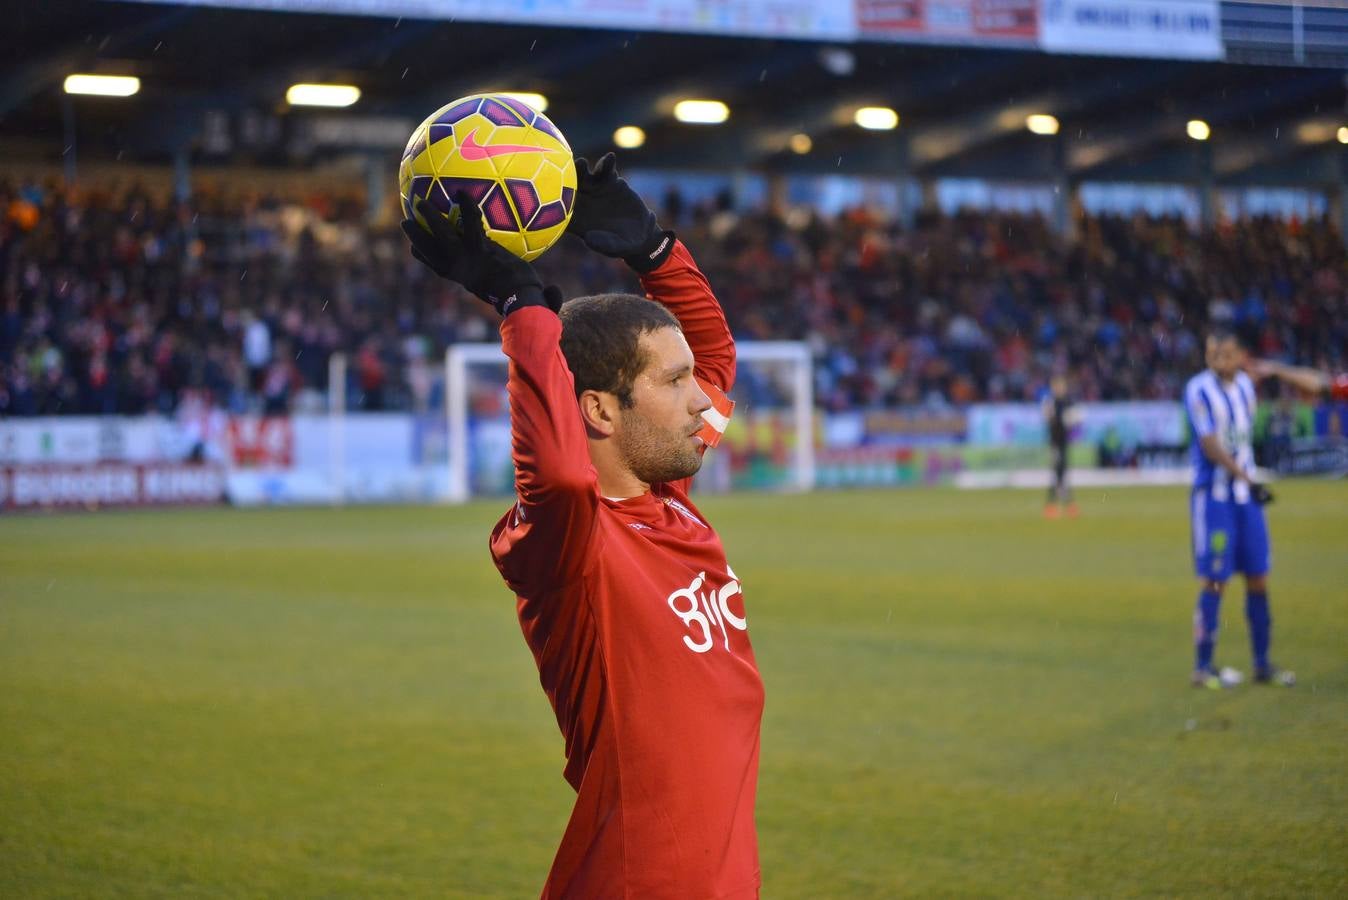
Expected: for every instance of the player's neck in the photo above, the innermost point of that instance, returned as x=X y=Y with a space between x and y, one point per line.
x=616 y=481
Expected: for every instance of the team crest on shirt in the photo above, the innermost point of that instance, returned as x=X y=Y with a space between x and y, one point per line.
x=682 y=510
x=705 y=609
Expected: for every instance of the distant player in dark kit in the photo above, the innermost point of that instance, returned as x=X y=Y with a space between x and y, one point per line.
x=636 y=621
x=1226 y=512
x=1060 y=415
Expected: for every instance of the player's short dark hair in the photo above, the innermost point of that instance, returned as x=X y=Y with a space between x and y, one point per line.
x=1222 y=333
x=601 y=340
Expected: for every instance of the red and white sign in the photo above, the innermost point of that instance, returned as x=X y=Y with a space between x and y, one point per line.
x=109 y=484
x=261 y=442
x=981 y=21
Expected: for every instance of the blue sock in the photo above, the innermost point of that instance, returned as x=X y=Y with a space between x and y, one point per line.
x=1205 y=628
x=1261 y=626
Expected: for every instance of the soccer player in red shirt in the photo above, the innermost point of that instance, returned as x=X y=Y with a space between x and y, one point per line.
x=635 y=619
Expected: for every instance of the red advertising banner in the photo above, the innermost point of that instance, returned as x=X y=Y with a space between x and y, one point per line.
x=261 y=442
x=56 y=485
x=976 y=21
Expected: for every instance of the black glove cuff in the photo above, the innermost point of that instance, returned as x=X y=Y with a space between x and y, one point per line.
x=525 y=295
x=654 y=254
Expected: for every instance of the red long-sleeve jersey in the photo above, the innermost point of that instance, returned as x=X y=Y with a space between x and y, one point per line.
x=1338 y=387
x=638 y=626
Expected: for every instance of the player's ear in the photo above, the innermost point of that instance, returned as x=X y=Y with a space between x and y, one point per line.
x=599 y=409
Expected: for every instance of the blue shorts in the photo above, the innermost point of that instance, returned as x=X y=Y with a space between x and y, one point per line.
x=1228 y=537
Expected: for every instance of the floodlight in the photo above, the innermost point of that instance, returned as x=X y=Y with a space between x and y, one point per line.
x=322 y=94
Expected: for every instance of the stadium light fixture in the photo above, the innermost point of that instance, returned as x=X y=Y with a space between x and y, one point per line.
x=629 y=137
x=1042 y=123
x=1343 y=134
x=534 y=101
x=102 y=85
x=800 y=143
x=701 y=112
x=322 y=94
x=877 y=118
x=1198 y=130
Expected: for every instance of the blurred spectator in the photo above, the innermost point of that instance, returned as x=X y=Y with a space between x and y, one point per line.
x=118 y=301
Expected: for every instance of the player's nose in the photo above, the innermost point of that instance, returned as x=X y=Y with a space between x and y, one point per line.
x=700 y=401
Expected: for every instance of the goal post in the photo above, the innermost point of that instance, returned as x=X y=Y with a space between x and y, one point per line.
x=768 y=446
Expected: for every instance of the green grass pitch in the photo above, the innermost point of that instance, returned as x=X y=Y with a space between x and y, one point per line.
x=963 y=700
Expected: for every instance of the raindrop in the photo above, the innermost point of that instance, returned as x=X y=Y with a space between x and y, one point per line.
x=397 y=21
x=325 y=305
x=839 y=162
x=244 y=275
x=67 y=149
x=762 y=75
x=533 y=45
x=1276 y=132
x=405 y=71
x=157 y=46
x=103 y=43
x=50 y=583
x=297 y=355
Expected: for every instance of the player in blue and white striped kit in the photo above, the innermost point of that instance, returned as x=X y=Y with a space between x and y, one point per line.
x=1226 y=511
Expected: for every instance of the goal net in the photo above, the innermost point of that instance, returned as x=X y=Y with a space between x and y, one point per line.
x=769 y=445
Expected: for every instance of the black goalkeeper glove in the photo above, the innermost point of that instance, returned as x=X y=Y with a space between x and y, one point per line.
x=1260 y=493
x=467 y=256
x=612 y=219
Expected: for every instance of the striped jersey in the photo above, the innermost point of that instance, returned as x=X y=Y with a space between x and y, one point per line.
x=1225 y=409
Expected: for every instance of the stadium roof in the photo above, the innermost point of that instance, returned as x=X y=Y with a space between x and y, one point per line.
x=214 y=82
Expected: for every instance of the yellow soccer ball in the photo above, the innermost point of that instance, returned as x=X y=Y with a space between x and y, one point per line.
x=510 y=159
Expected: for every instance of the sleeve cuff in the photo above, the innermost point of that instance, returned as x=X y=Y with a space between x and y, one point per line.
x=525 y=296
x=649 y=260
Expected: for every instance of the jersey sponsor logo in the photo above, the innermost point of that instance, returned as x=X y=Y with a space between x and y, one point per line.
x=472 y=151
x=683 y=510
x=705 y=610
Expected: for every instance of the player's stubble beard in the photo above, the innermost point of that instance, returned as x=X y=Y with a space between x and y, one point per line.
x=655 y=454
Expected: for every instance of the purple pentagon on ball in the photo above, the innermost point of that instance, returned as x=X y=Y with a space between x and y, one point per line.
x=418 y=146
x=526 y=113
x=552 y=214
x=496 y=210
x=498 y=114
x=525 y=197
x=475 y=188
x=543 y=125
x=457 y=111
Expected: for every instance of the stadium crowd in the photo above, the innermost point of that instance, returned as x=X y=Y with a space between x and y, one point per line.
x=121 y=300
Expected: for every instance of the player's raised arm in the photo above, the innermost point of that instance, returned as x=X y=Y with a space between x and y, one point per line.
x=1312 y=381
x=612 y=219
x=554 y=478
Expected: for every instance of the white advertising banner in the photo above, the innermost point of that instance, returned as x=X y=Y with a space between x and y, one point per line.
x=87 y=439
x=1022 y=424
x=822 y=20
x=1172 y=29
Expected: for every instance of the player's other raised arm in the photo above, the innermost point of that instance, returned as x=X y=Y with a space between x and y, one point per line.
x=612 y=219
x=680 y=285
x=554 y=479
